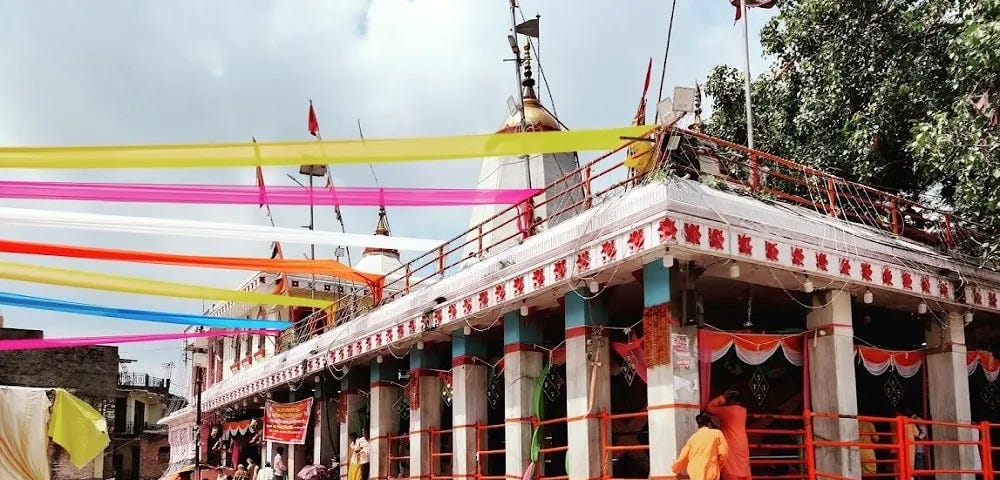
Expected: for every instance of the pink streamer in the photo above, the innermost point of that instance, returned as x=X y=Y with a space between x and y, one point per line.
x=252 y=195
x=40 y=343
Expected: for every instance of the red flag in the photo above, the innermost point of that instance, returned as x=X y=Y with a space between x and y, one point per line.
x=649 y=76
x=260 y=185
x=751 y=4
x=313 y=121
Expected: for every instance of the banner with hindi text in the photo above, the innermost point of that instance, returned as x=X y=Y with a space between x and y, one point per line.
x=287 y=422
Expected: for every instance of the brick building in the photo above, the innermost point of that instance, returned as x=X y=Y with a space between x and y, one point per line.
x=139 y=444
x=88 y=372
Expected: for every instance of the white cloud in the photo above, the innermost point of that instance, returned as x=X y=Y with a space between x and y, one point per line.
x=188 y=71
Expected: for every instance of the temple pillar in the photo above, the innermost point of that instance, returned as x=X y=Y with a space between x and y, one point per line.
x=672 y=373
x=349 y=415
x=468 y=374
x=522 y=365
x=325 y=434
x=295 y=455
x=425 y=413
x=587 y=366
x=385 y=392
x=948 y=387
x=833 y=389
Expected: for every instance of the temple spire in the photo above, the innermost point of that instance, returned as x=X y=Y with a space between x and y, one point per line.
x=380 y=260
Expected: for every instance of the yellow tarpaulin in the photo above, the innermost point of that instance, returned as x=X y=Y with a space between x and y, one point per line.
x=118 y=283
x=248 y=154
x=78 y=428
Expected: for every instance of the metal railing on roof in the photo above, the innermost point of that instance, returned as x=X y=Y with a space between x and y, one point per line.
x=750 y=172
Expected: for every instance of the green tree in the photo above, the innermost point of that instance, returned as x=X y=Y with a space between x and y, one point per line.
x=898 y=94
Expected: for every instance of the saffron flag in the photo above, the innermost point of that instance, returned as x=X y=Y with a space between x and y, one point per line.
x=751 y=4
x=313 y=121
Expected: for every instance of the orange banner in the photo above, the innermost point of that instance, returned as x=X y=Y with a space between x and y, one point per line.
x=287 y=422
x=330 y=268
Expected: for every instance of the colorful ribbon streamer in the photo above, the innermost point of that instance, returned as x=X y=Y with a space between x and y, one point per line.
x=330 y=268
x=247 y=195
x=203 y=229
x=248 y=154
x=116 y=283
x=38 y=303
x=69 y=342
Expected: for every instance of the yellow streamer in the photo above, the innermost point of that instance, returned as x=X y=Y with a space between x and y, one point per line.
x=312 y=152
x=115 y=283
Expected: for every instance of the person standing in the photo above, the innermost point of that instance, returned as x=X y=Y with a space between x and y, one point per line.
x=920 y=456
x=704 y=453
x=251 y=469
x=732 y=416
x=359 y=453
x=279 y=464
x=868 y=435
x=265 y=473
x=912 y=433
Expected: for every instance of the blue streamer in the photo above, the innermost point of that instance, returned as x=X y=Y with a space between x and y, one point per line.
x=15 y=300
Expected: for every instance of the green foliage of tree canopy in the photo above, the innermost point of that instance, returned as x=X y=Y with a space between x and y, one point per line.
x=899 y=94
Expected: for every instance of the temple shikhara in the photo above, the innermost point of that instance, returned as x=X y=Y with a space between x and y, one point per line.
x=577 y=334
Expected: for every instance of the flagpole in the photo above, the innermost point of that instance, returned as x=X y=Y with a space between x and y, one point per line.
x=746 y=67
x=520 y=87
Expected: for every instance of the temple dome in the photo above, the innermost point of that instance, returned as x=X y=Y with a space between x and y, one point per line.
x=537 y=118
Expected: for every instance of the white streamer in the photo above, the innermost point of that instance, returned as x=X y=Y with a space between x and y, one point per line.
x=203 y=229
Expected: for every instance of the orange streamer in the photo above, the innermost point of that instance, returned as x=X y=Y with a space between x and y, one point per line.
x=330 y=268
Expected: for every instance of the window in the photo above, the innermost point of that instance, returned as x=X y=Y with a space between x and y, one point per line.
x=236 y=349
x=163 y=454
x=249 y=344
x=260 y=342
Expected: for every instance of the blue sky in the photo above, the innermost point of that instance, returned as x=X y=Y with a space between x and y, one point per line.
x=118 y=72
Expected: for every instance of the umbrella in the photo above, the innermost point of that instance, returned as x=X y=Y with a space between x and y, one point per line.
x=311 y=472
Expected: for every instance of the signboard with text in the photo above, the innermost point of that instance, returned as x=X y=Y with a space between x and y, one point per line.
x=287 y=422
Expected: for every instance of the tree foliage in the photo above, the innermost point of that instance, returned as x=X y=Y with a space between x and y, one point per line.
x=899 y=94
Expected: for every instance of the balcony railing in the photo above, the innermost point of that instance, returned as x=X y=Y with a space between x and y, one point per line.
x=741 y=170
x=142 y=380
x=136 y=429
x=316 y=323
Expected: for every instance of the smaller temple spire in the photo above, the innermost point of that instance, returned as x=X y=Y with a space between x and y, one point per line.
x=382 y=228
x=380 y=260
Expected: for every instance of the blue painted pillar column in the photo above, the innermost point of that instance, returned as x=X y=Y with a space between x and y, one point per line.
x=522 y=365
x=468 y=376
x=588 y=382
x=425 y=412
x=672 y=373
x=385 y=392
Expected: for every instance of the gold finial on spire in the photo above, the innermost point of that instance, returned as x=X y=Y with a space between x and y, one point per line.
x=382 y=228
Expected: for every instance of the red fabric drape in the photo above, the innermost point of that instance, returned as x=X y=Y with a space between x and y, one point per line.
x=878 y=361
x=989 y=363
x=634 y=347
x=751 y=348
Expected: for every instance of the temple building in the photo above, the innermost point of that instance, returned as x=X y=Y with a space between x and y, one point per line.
x=584 y=349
